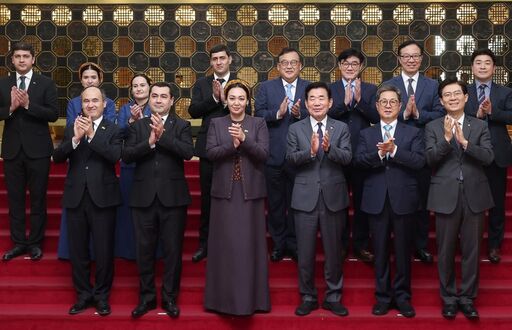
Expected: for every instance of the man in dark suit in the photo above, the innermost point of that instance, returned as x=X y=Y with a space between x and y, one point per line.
x=91 y=195
x=457 y=148
x=160 y=196
x=318 y=148
x=493 y=103
x=280 y=102
x=208 y=101
x=354 y=104
x=28 y=101
x=420 y=105
x=391 y=153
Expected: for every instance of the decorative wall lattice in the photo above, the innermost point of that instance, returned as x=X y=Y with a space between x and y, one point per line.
x=171 y=41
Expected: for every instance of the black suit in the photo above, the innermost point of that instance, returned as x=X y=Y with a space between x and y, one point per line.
x=91 y=195
x=26 y=150
x=500 y=117
x=159 y=200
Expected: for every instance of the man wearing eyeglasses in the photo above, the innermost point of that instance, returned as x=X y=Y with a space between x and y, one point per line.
x=493 y=103
x=391 y=152
x=457 y=148
x=281 y=102
x=354 y=104
x=420 y=105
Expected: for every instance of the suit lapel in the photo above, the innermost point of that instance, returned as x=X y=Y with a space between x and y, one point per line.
x=419 y=88
x=472 y=99
x=398 y=136
x=466 y=127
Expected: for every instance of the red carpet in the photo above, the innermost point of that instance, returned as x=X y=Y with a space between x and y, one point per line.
x=37 y=295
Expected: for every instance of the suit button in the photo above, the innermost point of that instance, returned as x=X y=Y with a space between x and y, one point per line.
x=87 y=167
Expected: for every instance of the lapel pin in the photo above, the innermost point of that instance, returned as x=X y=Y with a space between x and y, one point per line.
x=102 y=127
x=246 y=131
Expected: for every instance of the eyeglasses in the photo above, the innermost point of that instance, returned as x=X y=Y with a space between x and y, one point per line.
x=293 y=63
x=452 y=94
x=392 y=102
x=408 y=57
x=354 y=65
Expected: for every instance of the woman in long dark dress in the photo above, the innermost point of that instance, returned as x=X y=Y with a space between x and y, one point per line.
x=237 y=266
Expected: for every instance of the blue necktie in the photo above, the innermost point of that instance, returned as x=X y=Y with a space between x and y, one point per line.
x=289 y=96
x=387 y=136
x=481 y=94
x=320 y=152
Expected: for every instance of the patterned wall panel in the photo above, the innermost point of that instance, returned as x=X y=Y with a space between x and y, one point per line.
x=171 y=41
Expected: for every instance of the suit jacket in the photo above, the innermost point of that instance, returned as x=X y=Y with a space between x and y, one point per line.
x=204 y=106
x=28 y=129
x=253 y=153
x=314 y=174
x=360 y=117
x=269 y=97
x=394 y=177
x=159 y=171
x=446 y=159
x=426 y=97
x=500 y=117
x=92 y=166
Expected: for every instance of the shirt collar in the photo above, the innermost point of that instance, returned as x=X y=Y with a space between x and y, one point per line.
x=98 y=121
x=345 y=83
x=406 y=77
x=393 y=124
x=294 y=83
x=486 y=83
x=225 y=77
x=314 y=122
x=27 y=75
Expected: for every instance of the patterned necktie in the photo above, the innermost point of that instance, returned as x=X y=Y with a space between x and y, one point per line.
x=289 y=95
x=353 y=103
x=410 y=90
x=481 y=93
x=387 y=136
x=320 y=152
x=22 y=82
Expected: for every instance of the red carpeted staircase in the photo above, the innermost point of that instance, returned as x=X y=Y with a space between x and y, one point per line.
x=37 y=295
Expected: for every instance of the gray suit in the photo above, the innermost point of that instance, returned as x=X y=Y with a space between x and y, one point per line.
x=319 y=199
x=459 y=203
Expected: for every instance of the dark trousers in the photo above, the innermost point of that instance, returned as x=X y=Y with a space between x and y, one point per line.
x=167 y=224
x=331 y=225
x=469 y=226
x=279 y=180
x=497 y=177
x=205 y=180
x=423 y=215
x=402 y=227
x=359 y=226
x=84 y=220
x=21 y=173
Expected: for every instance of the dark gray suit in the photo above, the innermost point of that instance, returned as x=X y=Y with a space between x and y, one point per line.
x=459 y=204
x=319 y=199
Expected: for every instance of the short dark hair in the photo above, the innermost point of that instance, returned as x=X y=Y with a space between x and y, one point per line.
x=162 y=84
x=219 y=48
x=102 y=91
x=349 y=53
x=450 y=81
x=408 y=43
x=483 y=51
x=22 y=45
x=240 y=84
x=388 y=88
x=315 y=85
x=287 y=50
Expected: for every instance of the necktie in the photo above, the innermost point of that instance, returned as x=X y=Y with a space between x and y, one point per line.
x=221 y=80
x=289 y=95
x=387 y=135
x=93 y=126
x=353 y=103
x=22 y=83
x=410 y=90
x=320 y=152
x=481 y=93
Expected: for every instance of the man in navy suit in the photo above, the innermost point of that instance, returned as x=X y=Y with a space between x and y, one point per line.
x=493 y=103
x=420 y=105
x=391 y=152
x=354 y=104
x=28 y=101
x=281 y=102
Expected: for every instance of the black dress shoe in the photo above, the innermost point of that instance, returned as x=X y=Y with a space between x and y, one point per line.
x=35 y=253
x=143 y=308
x=171 y=309
x=276 y=255
x=406 y=309
x=14 y=252
x=494 y=256
x=424 y=256
x=449 y=311
x=306 y=307
x=293 y=255
x=335 y=307
x=80 y=306
x=469 y=311
x=380 y=309
x=103 y=308
x=200 y=254
x=364 y=256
